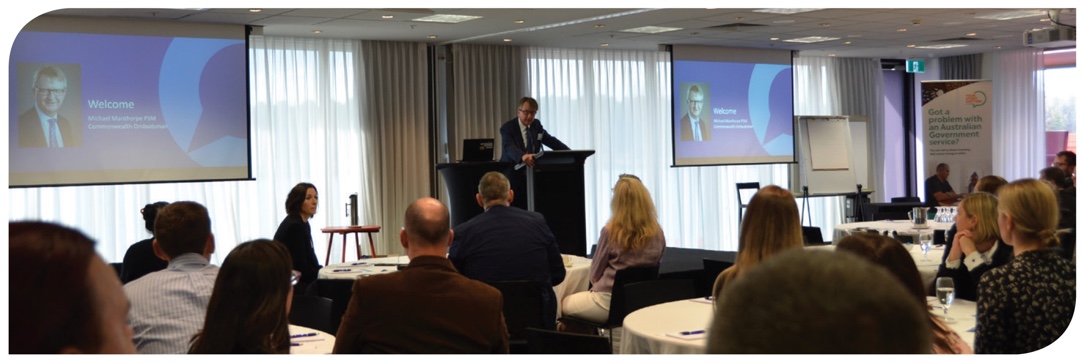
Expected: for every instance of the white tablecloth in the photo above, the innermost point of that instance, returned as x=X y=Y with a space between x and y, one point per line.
x=927 y=265
x=576 y=278
x=321 y=343
x=646 y=329
x=901 y=227
x=963 y=312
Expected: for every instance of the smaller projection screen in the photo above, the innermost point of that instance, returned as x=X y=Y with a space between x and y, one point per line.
x=111 y=101
x=732 y=106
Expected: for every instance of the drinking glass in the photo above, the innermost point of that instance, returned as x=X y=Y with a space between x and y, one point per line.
x=925 y=239
x=946 y=293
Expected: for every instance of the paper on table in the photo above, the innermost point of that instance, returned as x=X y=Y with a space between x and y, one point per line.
x=688 y=335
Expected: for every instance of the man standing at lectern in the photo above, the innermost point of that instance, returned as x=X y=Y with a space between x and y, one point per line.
x=523 y=136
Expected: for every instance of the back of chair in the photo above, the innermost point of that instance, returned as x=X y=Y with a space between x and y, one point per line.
x=811 y=235
x=522 y=307
x=339 y=291
x=648 y=293
x=905 y=199
x=312 y=311
x=711 y=271
x=541 y=341
x=617 y=296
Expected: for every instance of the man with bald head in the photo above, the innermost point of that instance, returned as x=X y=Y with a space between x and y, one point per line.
x=428 y=307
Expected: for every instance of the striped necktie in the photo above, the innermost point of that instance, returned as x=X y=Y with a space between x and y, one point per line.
x=53 y=142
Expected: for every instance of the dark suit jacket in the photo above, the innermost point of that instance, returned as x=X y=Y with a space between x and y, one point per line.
x=687 y=128
x=32 y=135
x=140 y=260
x=427 y=307
x=297 y=236
x=967 y=281
x=513 y=147
x=508 y=243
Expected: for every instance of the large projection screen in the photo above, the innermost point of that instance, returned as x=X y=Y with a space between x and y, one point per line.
x=732 y=106
x=130 y=102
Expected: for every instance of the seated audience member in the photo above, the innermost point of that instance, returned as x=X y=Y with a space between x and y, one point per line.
x=632 y=237
x=886 y=252
x=168 y=305
x=506 y=243
x=140 y=259
x=427 y=307
x=250 y=306
x=770 y=226
x=1066 y=194
x=295 y=233
x=976 y=246
x=1066 y=161
x=989 y=184
x=63 y=297
x=818 y=302
x=1027 y=304
x=939 y=191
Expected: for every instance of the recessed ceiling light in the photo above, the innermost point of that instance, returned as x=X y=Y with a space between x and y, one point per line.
x=1013 y=14
x=825 y=25
x=811 y=39
x=387 y=16
x=604 y=45
x=910 y=45
x=431 y=36
x=971 y=34
x=788 y=21
x=518 y=21
x=785 y=11
x=775 y=38
x=847 y=43
x=255 y=10
x=832 y=55
x=447 y=18
x=317 y=31
x=941 y=46
x=600 y=25
x=507 y=39
x=997 y=47
x=901 y=30
x=739 y=18
x=1044 y=19
x=650 y=29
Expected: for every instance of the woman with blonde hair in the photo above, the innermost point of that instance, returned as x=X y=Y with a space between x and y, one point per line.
x=770 y=225
x=889 y=253
x=1026 y=304
x=632 y=237
x=976 y=246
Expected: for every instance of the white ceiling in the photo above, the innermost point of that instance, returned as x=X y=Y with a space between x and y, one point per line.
x=873 y=33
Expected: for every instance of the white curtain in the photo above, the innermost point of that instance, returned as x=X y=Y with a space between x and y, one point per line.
x=1019 y=112
x=346 y=115
x=618 y=104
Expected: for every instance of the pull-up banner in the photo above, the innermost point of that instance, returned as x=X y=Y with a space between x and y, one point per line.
x=957 y=131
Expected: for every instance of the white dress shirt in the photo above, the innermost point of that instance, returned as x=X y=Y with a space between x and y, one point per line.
x=168 y=306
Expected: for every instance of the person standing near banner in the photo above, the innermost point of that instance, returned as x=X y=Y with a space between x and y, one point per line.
x=938 y=190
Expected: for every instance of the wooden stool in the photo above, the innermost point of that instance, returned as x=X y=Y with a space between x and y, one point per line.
x=331 y=231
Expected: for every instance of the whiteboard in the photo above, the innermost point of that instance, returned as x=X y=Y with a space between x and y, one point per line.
x=828 y=160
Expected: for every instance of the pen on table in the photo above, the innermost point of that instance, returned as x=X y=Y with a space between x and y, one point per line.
x=686 y=333
x=312 y=334
x=358 y=263
x=295 y=344
x=341 y=270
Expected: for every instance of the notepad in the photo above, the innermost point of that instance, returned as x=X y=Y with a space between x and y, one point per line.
x=688 y=335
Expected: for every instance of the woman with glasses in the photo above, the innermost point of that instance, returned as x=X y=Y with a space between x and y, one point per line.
x=250 y=305
x=631 y=238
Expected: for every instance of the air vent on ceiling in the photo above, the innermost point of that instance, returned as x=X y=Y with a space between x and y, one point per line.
x=963 y=38
x=734 y=26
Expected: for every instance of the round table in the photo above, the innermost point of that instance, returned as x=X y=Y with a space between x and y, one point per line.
x=576 y=270
x=927 y=265
x=305 y=340
x=963 y=312
x=901 y=227
x=657 y=329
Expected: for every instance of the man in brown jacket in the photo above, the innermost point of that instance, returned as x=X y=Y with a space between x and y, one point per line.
x=428 y=307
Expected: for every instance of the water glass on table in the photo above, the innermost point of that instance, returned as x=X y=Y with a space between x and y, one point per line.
x=946 y=293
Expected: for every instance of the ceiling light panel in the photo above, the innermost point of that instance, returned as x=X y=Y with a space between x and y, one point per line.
x=447 y=18
x=651 y=29
x=785 y=11
x=811 y=39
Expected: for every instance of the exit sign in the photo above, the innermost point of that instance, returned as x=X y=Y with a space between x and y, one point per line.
x=916 y=66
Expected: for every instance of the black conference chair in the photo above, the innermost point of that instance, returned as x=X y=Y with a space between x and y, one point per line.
x=711 y=271
x=522 y=310
x=118 y=267
x=542 y=341
x=312 y=311
x=617 y=298
x=742 y=204
x=651 y=292
x=905 y=199
x=339 y=291
x=811 y=236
